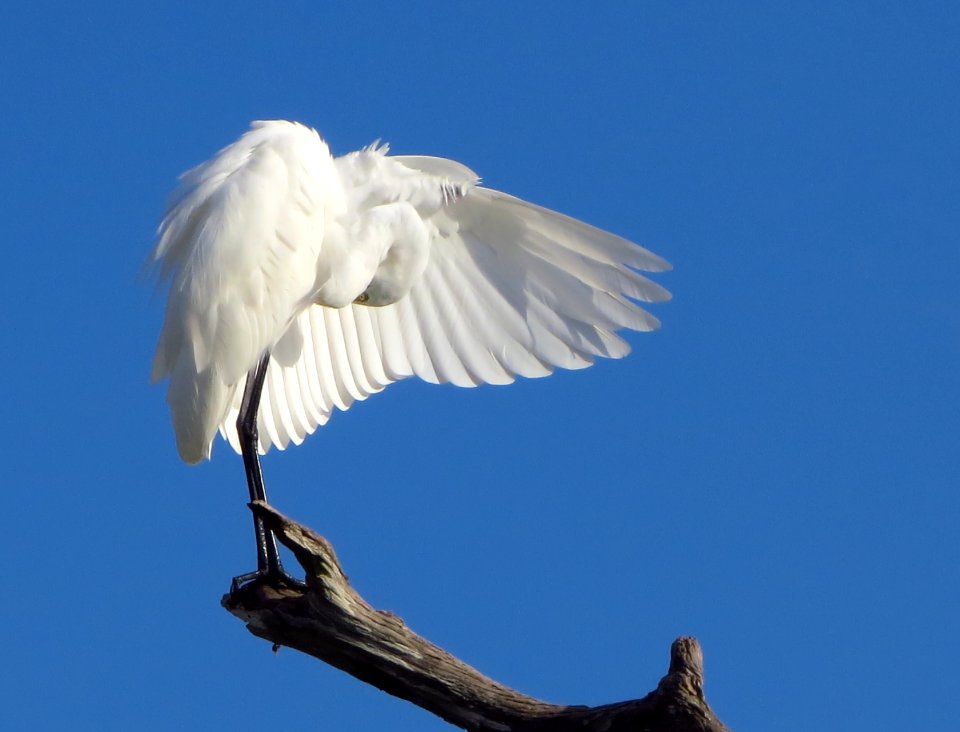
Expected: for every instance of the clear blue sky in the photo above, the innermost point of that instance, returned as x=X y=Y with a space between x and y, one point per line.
x=775 y=471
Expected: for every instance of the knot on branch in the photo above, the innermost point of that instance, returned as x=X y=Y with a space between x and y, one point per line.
x=686 y=668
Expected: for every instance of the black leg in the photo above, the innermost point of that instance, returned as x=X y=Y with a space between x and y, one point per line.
x=268 y=557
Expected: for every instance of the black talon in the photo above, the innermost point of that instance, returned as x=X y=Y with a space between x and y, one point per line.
x=275 y=579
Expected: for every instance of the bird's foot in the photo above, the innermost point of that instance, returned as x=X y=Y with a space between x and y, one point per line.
x=273 y=576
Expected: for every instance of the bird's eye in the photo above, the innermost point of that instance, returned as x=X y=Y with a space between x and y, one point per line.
x=362 y=298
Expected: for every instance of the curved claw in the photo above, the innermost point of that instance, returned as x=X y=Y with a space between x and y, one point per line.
x=274 y=576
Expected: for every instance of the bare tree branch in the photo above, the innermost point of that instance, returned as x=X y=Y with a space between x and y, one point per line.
x=330 y=621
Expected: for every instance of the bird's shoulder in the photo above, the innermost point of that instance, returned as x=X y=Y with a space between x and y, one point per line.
x=372 y=177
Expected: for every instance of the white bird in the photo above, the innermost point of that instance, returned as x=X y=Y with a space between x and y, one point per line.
x=300 y=282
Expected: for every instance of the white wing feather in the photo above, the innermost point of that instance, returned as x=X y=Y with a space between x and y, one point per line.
x=510 y=289
x=239 y=242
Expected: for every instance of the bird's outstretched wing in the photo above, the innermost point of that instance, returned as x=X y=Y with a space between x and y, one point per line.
x=511 y=289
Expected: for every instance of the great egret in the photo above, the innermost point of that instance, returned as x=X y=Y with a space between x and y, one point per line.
x=300 y=282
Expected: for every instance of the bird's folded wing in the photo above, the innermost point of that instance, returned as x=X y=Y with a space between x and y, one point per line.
x=239 y=244
x=511 y=289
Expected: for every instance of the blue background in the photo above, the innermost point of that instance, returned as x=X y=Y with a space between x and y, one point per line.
x=775 y=471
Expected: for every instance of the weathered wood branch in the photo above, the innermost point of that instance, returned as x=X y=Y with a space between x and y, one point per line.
x=330 y=621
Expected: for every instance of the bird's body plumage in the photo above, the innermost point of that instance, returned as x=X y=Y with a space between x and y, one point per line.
x=354 y=272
